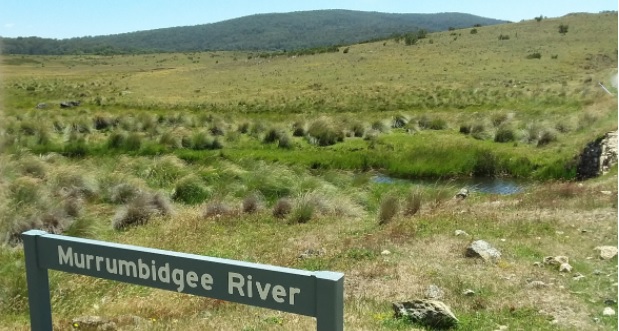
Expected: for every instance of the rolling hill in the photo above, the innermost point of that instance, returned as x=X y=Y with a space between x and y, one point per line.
x=287 y=31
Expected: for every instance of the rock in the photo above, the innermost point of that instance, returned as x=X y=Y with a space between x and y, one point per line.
x=610 y=302
x=468 y=292
x=556 y=260
x=69 y=104
x=385 y=252
x=434 y=292
x=578 y=276
x=41 y=105
x=598 y=157
x=431 y=313
x=607 y=252
x=608 y=312
x=312 y=253
x=565 y=267
x=461 y=233
x=93 y=323
x=462 y=194
x=537 y=264
x=483 y=249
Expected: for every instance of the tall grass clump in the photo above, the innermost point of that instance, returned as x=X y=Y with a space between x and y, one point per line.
x=324 y=133
x=282 y=208
x=252 y=203
x=141 y=210
x=504 y=134
x=303 y=210
x=388 y=209
x=412 y=203
x=190 y=190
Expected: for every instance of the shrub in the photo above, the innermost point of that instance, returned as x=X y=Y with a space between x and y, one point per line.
x=504 y=135
x=303 y=210
x=563 y=29
x=219 y=208
x=473 y=31
x=324 y=133
x=399 y=121
x=282 y=208
x=140 y=210
x=412 y=203
x=486 y=164
x=503 y=37
x=546 y=136
x=389 y=208
x=252 y=203
x=535 y=55
x=190 y=190
x=116 y=140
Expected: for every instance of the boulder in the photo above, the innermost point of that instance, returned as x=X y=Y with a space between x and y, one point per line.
x=607 y=252
x=462 y=194
x=69 y=104
x=430 y=313
x=433 y=292
x=484 y=250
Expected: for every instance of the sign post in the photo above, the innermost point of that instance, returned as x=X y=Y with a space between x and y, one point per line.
x=316 y=294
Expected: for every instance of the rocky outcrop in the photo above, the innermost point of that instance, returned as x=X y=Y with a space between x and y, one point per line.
x=598 y=157
x=430 y=313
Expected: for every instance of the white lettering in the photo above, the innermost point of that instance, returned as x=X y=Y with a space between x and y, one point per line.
x=192 y=278
x=263 y=292
x=109 y=269
x=164 y=273
x=238 y=284
x=65 y=257
x=99 y=259
x=78 y=263
x=177 y=277
x=207 y=282
x=88 y=259
x=279 y=292
x=130 y=268
x=143 y=270
x=293 y=291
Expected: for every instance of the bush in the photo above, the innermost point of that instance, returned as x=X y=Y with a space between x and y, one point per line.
x=389 y=208
x=473 y=31
x=252 y=203
x=219 y=208
x=535 y=55
x=563 y=29
x=282 y=208
x=140 y=210
x=504 y=135
x=190 y=190
x=324 y=133
x=412 y=204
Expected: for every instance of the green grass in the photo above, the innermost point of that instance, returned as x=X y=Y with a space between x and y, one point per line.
x=284 y=151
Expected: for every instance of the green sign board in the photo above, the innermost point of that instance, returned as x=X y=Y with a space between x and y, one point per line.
x=317 y=294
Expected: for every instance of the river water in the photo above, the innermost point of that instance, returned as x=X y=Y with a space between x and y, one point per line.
x=502 y=185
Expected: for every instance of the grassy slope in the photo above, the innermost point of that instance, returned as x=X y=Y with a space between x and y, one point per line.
x=460 y=78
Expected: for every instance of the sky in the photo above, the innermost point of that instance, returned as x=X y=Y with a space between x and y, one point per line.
x=61 y=19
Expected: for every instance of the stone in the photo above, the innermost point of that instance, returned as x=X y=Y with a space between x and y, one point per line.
x=556 y=260
x=468 y=292
x=462 y=194
x=385 y=252
x=608 y=312
x=536 y=284
x=308 y=253
x=565 y=267
x=93 y=323
x=482 y=249
x=430 y=313
x=607 y=252
x=578 y=276
x=41 y=105
x=461 y=233
x=69 y=104
x=434 y=292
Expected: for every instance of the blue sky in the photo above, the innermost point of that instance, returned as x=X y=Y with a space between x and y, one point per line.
x=77 y=18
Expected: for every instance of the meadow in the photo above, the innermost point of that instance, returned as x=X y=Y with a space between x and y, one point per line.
x=270 y=158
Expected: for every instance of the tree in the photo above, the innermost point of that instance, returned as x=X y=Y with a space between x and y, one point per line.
x=563 y=29
x=539 y=18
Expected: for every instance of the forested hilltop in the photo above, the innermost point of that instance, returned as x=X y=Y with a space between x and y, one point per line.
x=271 y=32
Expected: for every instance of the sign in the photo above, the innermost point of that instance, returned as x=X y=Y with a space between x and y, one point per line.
x=317 y=294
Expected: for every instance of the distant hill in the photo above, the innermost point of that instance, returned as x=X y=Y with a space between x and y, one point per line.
x=268 y=32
